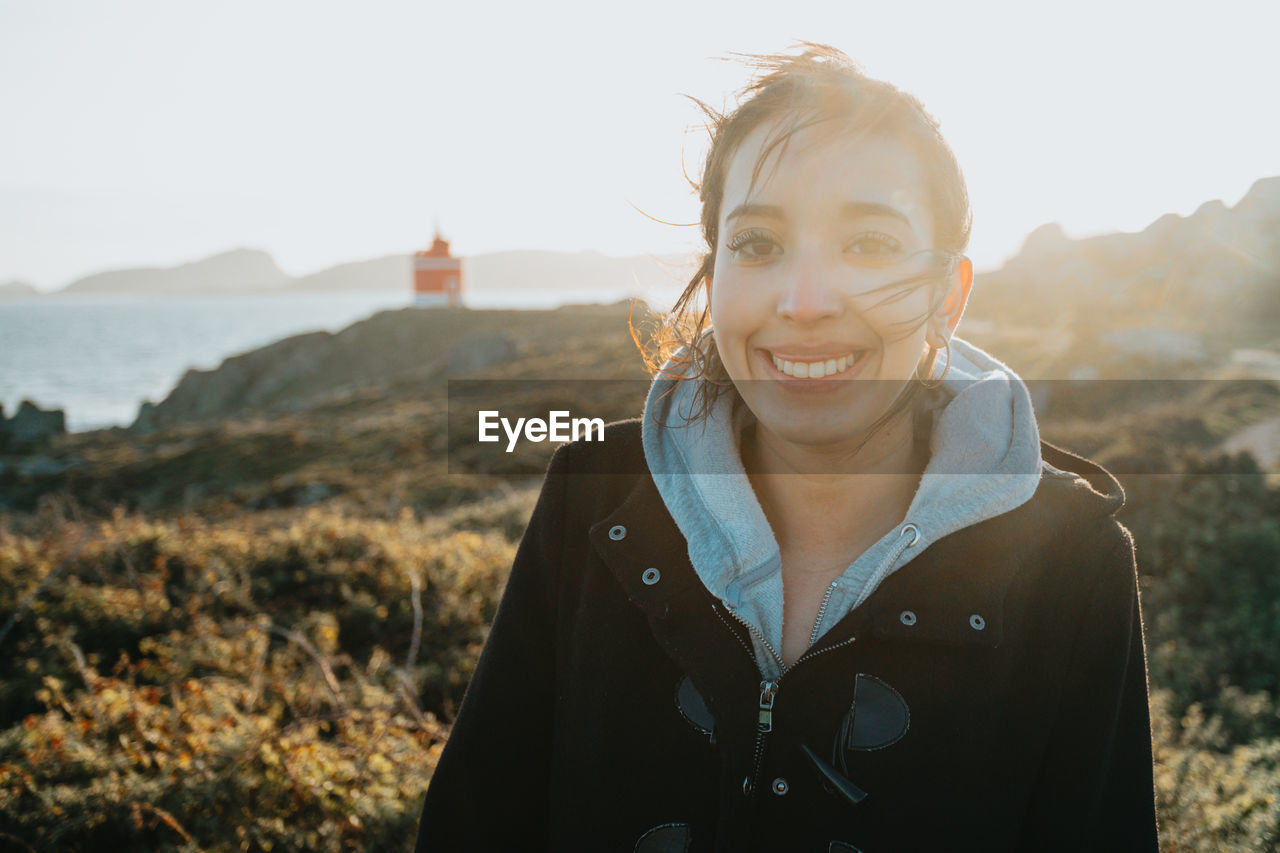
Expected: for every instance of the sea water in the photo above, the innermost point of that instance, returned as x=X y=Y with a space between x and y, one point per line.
x=98 y=357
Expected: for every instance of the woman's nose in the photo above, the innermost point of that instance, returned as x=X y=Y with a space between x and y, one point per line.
x=808 y=294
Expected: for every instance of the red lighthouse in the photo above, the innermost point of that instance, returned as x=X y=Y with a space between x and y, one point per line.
x=437 y=275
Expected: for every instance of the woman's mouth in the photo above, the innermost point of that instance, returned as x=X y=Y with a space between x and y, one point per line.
x=832 y=367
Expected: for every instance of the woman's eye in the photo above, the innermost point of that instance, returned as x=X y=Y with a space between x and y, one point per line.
x=875 y=246
x=753 y=245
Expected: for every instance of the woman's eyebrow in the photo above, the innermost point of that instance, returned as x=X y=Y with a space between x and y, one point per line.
x=765 y=211
x=848 y=210
x=856 y=209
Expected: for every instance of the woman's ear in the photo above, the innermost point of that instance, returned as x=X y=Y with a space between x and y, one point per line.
x=706 y=282
x=958 y=287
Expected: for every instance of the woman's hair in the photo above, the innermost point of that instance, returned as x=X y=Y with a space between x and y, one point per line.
x=793 y=92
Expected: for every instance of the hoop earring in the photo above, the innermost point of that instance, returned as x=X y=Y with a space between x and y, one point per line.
x=933 y=354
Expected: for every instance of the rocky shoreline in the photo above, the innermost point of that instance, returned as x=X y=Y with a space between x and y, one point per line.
x=358 y=418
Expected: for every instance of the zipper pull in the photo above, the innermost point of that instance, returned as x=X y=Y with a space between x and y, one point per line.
x=768 y=690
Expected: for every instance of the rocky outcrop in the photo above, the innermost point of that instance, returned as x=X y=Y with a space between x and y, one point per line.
x=477 y=353
x=1214 y=274
x=30 y=427
x=407 y=353
x=394 y=348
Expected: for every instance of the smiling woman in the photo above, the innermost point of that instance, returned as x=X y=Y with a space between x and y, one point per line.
x=831 y=592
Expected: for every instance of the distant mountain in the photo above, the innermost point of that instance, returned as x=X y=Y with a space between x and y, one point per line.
x=17 y=290
x=390 y=272
x=511 y=270
x=237 y=270
x=535 y=269
x=1214 y=275
x=244 y=270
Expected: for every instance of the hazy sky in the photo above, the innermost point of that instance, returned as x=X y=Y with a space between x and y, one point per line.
x=153 y=133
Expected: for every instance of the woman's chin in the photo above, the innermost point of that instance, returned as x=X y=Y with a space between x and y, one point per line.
x=826 y=435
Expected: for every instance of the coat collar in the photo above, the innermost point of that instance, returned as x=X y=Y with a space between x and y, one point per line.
x=648 y=556
x=952 y=593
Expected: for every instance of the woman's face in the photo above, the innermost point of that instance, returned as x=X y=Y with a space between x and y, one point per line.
x=816 y=346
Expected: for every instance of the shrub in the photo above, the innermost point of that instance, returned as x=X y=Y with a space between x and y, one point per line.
x=235 y=686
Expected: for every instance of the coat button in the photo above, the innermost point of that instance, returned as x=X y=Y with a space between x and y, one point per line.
x=746 y=786
x=651 y=576
x=907 y=618
x=780 y=786
x=977 y=623
x=617 y=532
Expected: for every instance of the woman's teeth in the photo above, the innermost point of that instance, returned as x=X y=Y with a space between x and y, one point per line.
x=814 y=369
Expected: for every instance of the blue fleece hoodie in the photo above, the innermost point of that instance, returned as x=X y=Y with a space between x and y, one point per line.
x=984 y=460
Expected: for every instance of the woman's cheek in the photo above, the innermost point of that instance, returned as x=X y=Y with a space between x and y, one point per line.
x=731 y=325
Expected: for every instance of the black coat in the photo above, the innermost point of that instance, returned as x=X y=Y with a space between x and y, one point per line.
x=991 y=694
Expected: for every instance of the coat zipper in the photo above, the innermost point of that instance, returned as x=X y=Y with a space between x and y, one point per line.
x=822 y=611
x=769 y=687
x=759 y=636
x=769 y=690
x=764 y=725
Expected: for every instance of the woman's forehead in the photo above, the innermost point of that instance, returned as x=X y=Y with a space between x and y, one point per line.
x=825 y=167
